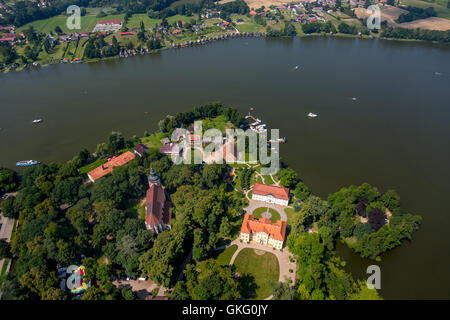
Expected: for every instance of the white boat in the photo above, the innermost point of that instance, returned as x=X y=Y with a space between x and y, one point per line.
x=37 y=121
x=354 y=98
x=312 y=115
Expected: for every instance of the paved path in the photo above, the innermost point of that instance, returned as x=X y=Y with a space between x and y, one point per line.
x=141 y=288
x=255 y=204
x=283 y=259
x=6 y=228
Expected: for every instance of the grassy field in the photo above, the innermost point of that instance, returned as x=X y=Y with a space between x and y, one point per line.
x=224 y=256
x=135 y=21
x=249 y=24
x=92 y=165
x=440 y=6
x=154 y=141
x=263 y=268
x=88 y=23
x=218 y=123
x=290 y=213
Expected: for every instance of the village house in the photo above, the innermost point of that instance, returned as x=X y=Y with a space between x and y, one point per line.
x=195 y=139
x=108 y=26
x=157 y=205
x=140 y=149
x=165 y=141
x=263 y=231
x=8 y=37
x=172 y=149
x=270 y=194
x=108 y=167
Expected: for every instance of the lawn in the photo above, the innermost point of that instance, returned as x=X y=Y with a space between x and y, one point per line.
x=263 y=268
x=224 y=256
x=275 y=215
x=249 y=24
x=290 y=213
x=135 y=21
x=154 y=141
x=92 y=165
x=218 y=123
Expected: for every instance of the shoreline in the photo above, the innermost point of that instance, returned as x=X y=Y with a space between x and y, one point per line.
x=220 y=38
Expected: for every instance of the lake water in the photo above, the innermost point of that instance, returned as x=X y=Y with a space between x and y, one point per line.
x=396 y=135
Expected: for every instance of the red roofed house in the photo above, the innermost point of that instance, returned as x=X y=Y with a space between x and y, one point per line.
x=271 y=194
x=157 y=205
x=196 y=139
x=171 y=149
x=108 y=26
x=108 y=167
x=263 y=231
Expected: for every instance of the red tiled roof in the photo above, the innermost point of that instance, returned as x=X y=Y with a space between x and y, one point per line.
x=156 y=206
x=194 y=138
x=276 y=231
x=108 y=167
x=277 y=192
x=127 y=33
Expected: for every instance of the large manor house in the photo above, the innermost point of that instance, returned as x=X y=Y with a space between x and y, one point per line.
x=263 y=230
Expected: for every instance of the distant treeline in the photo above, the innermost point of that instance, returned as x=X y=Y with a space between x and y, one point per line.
x=416 y=14
x=417 y=34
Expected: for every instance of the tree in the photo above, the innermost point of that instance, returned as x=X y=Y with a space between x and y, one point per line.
x=282 y=291
x=362 y=229
x=66 y=191
x=288 y=178
x=116 y=142
x=8 y=180
x=391 y=199
x=5 y=249
x=301 y=191
x=377 y=218
x=54 y=294
x=38 y=280
x=128 y=294
x=225 y=227
x=213 y=282
x=8 y=208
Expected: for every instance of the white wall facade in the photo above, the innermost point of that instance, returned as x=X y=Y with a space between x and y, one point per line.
x=270 y=199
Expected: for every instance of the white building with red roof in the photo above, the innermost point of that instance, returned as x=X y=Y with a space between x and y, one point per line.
x=270 y=194
x=263 y=231
x=108 y=26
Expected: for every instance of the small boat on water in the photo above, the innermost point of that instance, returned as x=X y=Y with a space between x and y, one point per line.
x=37 y=121
x=26 y=163
x=312 y=115
x=354 y=98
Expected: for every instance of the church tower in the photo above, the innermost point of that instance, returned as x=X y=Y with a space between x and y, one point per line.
x=153 y=178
